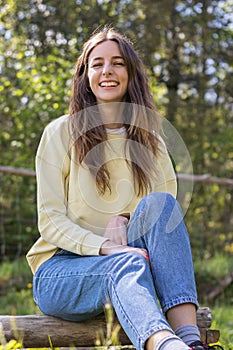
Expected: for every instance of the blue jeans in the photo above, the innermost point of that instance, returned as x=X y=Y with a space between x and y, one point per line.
x=76 y=288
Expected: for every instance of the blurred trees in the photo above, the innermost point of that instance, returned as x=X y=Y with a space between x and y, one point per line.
x=187 y=50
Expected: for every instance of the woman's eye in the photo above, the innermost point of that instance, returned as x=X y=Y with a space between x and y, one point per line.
x=95 y=65
x=119 y=64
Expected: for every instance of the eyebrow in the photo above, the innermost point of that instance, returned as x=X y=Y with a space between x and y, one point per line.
x=101 y=58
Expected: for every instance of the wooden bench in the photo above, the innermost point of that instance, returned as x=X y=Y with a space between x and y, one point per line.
x=36 y=330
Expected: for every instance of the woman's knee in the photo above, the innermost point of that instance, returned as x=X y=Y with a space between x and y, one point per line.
x=160 y=203
x=129 y=262
x=156 y=204
x=160 y=198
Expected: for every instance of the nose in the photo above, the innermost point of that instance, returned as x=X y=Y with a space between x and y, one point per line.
x=107 y=69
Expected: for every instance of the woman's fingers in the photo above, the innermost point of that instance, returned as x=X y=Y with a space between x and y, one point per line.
x=110 y=247
x=116 y=229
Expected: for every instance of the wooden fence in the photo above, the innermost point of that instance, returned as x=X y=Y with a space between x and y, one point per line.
x=207 y=178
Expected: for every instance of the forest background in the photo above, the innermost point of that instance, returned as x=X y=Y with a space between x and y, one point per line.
x=187 y=50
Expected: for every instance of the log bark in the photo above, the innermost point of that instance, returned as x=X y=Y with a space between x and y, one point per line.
x=212 y=336
x=204 y=317
x=36 y=330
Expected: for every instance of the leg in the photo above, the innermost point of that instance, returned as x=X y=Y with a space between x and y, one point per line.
x=158 y=226
x=76 y=288
x=183 y=314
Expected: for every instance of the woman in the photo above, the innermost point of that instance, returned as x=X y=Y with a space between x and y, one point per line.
x=106 y=191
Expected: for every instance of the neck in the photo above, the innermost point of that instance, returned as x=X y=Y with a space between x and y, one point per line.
x=111 y=114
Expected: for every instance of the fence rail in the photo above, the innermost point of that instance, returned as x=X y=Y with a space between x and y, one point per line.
x=17 y=171
x=208 y=178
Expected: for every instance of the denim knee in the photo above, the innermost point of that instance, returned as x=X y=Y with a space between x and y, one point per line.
x=159 y=199
x=163 y=208
x=128 y=263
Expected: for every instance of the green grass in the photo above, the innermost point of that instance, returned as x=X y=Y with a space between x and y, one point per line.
x=218 y=266
x=222 y=316
x=18 y=303
x=16 y=288
x=209 y=272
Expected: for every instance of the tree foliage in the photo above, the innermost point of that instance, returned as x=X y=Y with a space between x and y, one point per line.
x=187 y=50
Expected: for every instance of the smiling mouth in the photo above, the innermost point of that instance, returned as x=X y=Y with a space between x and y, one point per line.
x=108 y=84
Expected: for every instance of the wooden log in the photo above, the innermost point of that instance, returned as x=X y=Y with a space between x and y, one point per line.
x=212 y=336
x=204 y=317
x=204 y=320
x=36 y=330
x=209 y=336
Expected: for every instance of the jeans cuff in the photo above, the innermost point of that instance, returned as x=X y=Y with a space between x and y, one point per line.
x=179 y=301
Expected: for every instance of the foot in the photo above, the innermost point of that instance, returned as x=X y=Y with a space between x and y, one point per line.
x=197 y=345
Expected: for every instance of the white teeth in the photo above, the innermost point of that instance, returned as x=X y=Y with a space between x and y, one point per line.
x=107 y=84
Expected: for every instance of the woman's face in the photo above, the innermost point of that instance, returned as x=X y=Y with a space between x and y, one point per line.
x=107 y=73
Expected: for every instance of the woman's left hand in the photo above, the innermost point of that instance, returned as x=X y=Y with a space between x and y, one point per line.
x=116 y=229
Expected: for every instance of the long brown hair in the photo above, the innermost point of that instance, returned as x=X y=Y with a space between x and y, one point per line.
x=142 y=122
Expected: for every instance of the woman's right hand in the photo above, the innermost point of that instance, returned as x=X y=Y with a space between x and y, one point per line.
x=110 y=247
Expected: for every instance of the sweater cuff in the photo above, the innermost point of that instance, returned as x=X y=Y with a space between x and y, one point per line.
x=92 y=243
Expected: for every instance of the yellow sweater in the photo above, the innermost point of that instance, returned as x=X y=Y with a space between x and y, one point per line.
x=71 y=214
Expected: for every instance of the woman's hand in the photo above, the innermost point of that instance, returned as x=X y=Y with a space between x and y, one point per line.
x=110 y=247
x=116 y=230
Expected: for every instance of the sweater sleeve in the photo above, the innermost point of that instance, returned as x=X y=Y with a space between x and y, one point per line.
x=52 y=170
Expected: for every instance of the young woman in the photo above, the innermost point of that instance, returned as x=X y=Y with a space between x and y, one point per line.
x=110 y=226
